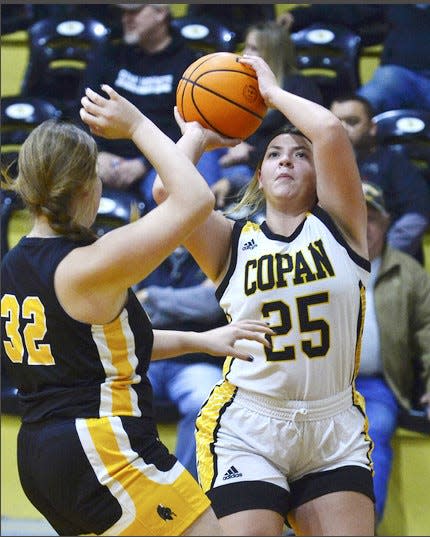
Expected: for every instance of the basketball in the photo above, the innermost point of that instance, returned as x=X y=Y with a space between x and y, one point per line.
x=222 y=95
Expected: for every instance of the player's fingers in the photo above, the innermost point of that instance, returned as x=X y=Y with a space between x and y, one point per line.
x=253 y=335
x=95 y=97
x=86 y=116
x=90 y=120
x=259 y=326
x=110 y=91
x=89 y=106
x=177 y=115
x=232 y=142
x=241 y=355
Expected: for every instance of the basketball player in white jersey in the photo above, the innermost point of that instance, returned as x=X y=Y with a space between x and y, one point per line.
x=284 y=438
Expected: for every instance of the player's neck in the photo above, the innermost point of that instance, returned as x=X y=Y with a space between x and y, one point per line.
x=41 y=229
x=284 y=224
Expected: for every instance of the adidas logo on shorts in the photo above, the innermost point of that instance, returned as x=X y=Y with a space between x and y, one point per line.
x=231 y=473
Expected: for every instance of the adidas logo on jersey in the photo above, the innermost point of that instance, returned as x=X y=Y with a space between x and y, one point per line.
x=249 y=245
x=231 y=473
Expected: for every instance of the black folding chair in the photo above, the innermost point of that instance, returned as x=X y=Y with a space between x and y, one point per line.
x=60 y=49
x=407 y=131
x=330 y=54
x=206 y=35
x=117 y=208
x=19 y=116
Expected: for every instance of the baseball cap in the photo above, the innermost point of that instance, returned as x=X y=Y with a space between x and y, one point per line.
x=130 y=7
x=136 y=7
x=374 y=196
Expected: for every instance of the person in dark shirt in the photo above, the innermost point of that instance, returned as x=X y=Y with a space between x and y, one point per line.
x=406 y=192
x=145 y=66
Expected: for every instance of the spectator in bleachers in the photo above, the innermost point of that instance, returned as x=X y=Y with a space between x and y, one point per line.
x=145 y=67
x=402 y=80
x=406 y=192
x=396 y=336
x=272 y=42
x=177 y=295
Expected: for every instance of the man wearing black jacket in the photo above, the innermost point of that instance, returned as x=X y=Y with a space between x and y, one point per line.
x=145 y=67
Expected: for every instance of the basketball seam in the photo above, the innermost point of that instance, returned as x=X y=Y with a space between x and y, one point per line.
x=194 y=83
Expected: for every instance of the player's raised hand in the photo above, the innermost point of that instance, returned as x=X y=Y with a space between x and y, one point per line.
x=210 y=139
x=113 y=117
x=267 y=82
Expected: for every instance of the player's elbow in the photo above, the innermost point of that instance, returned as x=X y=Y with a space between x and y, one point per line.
x=207 y=203
x=202 y=206
x=159 y=193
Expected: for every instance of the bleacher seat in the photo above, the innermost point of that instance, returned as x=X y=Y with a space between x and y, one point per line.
x=407 y=131
x=206 y=35
x=19 y=116
x=117 y=208
x=329 y=53
x=60 y=49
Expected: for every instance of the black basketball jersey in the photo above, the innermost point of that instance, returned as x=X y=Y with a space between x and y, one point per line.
x=63 y=367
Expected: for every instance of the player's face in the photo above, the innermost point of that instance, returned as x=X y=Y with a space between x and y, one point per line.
x=354 y=118
x=287 y=171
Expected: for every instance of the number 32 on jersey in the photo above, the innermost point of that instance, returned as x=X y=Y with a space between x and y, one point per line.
x=33 y=332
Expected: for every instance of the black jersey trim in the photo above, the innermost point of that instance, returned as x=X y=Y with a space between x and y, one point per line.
x=327 y=220
x=235 y=235
x=282 y=238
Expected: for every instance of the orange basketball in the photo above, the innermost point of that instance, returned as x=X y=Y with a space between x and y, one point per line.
x=221 y=94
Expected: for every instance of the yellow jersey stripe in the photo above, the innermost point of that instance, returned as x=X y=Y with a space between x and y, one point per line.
x=115 y=344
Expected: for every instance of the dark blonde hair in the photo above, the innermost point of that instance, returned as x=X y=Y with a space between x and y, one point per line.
x=56 y=162
x=252 y=196
x=276 y=48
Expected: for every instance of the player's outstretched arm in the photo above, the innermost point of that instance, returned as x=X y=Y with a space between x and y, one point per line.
x=209 y=243
x=217 y=342
x=94 y=279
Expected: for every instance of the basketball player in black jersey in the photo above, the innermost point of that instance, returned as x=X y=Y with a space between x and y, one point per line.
x=77 y=342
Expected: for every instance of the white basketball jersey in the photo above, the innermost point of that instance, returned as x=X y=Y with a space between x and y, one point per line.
x=310 y=288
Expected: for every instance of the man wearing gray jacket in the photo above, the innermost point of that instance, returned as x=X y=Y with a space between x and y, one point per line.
x=394 y=373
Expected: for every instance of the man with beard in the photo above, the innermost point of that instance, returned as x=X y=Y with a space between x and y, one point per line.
x=406 y=192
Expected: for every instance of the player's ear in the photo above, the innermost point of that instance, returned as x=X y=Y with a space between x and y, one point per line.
x=260 y=186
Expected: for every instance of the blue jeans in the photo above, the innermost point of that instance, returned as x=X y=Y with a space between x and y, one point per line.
x=382 y=411
x=187 y=385
x=208 y=166
x=393 y=87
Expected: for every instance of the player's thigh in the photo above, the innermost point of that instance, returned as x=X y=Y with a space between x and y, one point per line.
x=337 y=513
x=206 y=524
x=253 y=522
